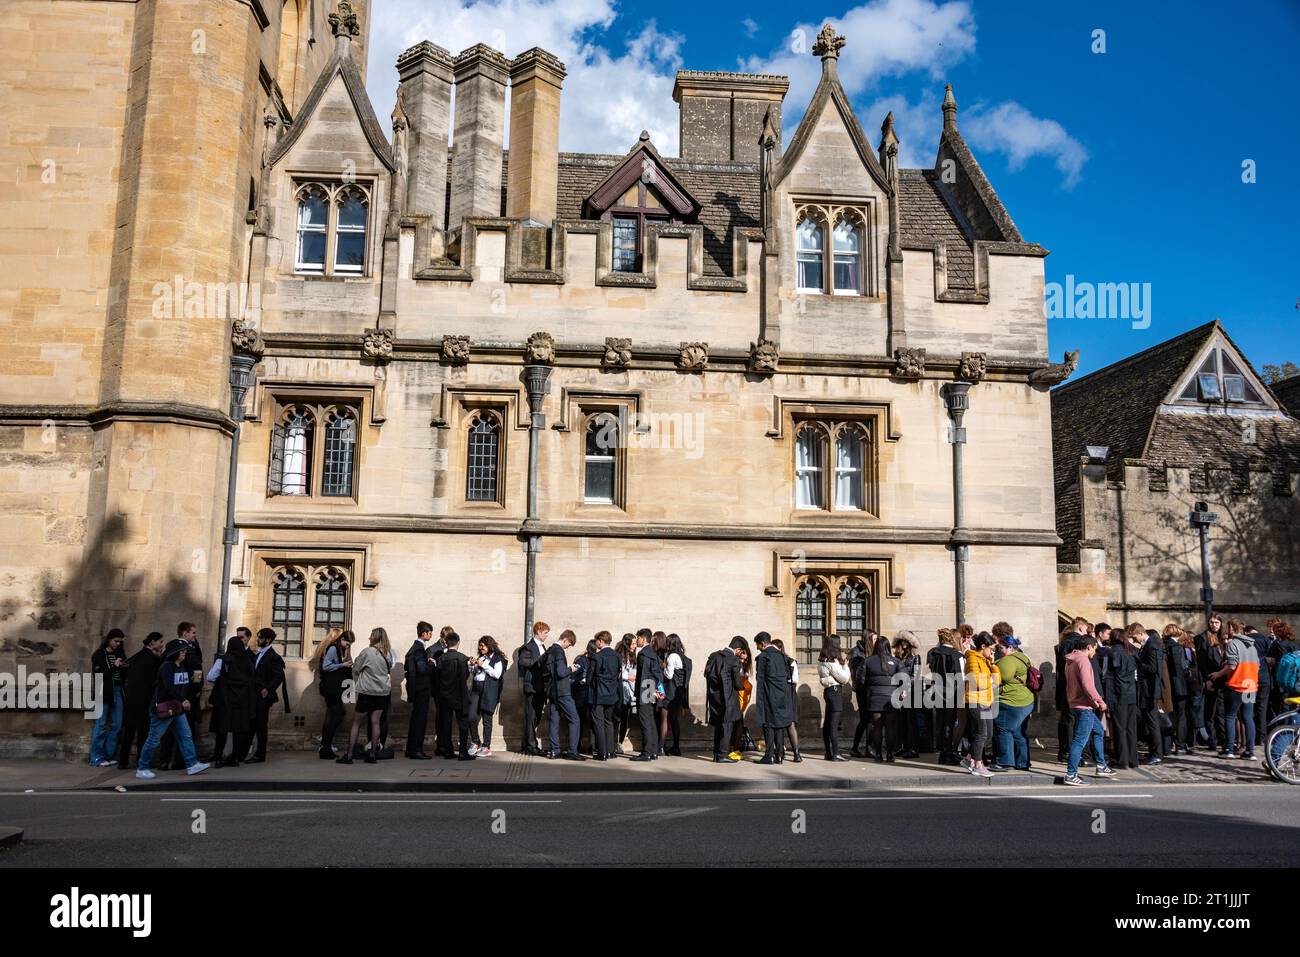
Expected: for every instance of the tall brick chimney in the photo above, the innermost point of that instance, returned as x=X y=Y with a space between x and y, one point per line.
x=425 y=74
x=721 y=114
x=481 y=73
x=535 y=80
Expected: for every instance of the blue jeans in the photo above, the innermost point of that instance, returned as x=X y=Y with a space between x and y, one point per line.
x=566 y=705
x=103 y=737
x=180 y=729
x=1247 y=712
x=1013 y=746
x=1086 y=725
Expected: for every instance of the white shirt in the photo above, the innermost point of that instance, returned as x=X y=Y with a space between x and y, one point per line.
x=674 y=663
x=495 y=670
x=215 y=671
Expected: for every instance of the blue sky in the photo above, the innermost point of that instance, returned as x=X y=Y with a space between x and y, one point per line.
x=1126 y=164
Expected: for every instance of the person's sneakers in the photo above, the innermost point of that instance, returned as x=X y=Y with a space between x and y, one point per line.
x=1000 y=767
x=968 y=764
x=1074 y=781
x=1248 y=756
x=1152 y=760
x=145 y=773
x=106 y=763
x=981 y=771
x=1105 y=772
x=483 y=753
x=474 y=749
x=198 y=767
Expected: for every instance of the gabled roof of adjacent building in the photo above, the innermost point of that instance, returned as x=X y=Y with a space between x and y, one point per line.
x=1123 y=407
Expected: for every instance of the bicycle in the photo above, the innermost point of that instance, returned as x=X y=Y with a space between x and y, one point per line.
x=1282 y=744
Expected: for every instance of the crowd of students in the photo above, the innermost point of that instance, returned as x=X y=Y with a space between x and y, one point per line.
x=1114 y=687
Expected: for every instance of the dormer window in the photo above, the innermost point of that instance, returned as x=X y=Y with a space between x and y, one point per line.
x=332 y=224
x=1220 y=379
x=636 y=208
x=836 y=267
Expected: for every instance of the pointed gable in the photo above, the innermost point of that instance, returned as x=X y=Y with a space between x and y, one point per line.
x=830 y=116
x=339 y=90
x=971 y=190
x=642 y=163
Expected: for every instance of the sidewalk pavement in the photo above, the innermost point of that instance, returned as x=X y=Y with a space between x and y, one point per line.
x=297 y=771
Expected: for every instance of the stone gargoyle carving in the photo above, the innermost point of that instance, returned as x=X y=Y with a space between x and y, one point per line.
x=455 y=348
x=540 y=348
x=763 y=356
x=1057 y=372
x=974 y=366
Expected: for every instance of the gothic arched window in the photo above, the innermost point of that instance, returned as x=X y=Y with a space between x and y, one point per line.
x=810 y=250
x=340 y=452
x=810 y=467
x=483 y=458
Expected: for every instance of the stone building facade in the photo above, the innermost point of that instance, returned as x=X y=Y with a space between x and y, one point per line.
x=759 y=355
x=1137 y=445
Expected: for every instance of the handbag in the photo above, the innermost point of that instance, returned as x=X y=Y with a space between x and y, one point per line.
x=168 y=709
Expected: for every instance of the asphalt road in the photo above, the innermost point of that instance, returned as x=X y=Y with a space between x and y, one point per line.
x=1164 y=825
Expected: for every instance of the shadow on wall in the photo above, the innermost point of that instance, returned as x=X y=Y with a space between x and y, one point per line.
x=58 y=627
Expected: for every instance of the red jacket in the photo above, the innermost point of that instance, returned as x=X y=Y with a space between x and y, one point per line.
x=1080 y=691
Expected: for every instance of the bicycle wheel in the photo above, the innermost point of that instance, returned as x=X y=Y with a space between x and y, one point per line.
x=1281 y=755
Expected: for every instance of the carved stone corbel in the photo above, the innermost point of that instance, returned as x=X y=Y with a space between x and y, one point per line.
x=540 y=348
x=909 y=363
x=377 y=344
x=974 y=366
x=455 y=349
x=693 y=356
x=763 y=356
x=246 y=340
x=618 y=354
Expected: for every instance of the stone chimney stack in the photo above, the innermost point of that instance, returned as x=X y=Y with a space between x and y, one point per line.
x=721 y=114
x=425 y=73
x=535 y=80
x=481 y=74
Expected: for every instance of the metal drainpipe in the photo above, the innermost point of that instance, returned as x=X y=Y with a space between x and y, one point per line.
x=956 y=396
x=537 y=380
x=241 y=377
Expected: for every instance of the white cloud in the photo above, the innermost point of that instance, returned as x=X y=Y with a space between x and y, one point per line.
x=750 y=26
x=609 y=97
x=917 y=126
x=1011 y=129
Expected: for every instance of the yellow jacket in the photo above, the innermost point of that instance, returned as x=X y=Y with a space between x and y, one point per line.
x=982 y=680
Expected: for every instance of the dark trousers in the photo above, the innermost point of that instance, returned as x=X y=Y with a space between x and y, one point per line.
x=980 y=731
x=1151 y=731
x=864 y=718
x=722 y=733
x=675 y=719
x=442 y=723
x=564 y=707
x=334 y=714
x=132 y=732
x=475 y=716
x=1184 y=729
x=461 y=719
x=881 y=740
x=1261 y=712
x=260 y=727
x=831 y=722
x=602 y=729
x=1124 y=736
x=419 y=725
x=1214 y=710
x=534 y=701
x=622 y=719
x=586 y=731
x=944 y=719
x=649 y=721
x=242 y=740
x=775 y=741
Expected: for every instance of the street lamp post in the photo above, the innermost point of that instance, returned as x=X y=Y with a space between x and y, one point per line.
x=244 y=356
x=956 y=397
x=537 y=381
x=1201 y=518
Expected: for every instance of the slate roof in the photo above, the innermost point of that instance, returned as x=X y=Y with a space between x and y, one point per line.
x=1288 y=393
x=1119 y=407
x=927 y=214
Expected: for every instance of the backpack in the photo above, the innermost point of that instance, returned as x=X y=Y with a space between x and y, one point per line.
x=682 y=677
x=1288 y=673
x=1034 y=680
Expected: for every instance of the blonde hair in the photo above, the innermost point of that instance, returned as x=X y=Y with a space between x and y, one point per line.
x=331 y=637
x=379 y=639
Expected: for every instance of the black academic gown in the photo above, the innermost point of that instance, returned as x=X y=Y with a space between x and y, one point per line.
x=771 y=691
